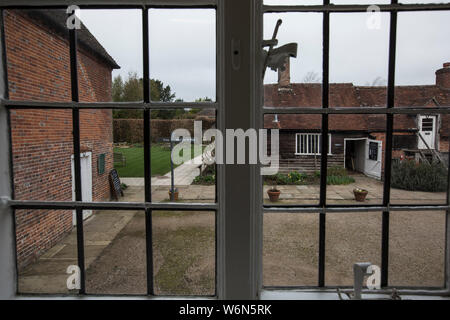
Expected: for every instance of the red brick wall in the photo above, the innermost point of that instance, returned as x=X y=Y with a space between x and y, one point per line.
x=38 y=70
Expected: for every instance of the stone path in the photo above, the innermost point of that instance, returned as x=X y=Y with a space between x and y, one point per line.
x=48 y=273
x=183 y=175
x=309 y=194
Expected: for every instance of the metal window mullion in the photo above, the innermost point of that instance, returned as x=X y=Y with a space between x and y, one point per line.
x=18 y=104
x=72 y=205
x=76 y=155
x=147 y=152
x=324 y=155
x=178 y=105
x=356 y=110
x=347 y=209
x=355 y=8
x=388 y=148
x=112 y=4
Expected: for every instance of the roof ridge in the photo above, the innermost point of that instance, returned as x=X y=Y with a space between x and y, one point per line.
x=56 y=18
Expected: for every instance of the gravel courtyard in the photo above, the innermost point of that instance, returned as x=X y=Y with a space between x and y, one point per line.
x=184 y=248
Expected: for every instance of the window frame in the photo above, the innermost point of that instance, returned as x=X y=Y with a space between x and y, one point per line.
x=146 y=106
x=323 y=208
x=312 y=134
x=240 y=275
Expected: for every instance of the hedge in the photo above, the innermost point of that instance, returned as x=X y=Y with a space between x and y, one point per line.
x=412 y=176
x=132 y=130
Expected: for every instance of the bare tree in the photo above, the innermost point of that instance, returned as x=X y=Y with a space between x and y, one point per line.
x=378 y=81
x=312 y=77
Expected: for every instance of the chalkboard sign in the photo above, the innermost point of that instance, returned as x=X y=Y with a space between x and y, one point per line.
x=115 y=184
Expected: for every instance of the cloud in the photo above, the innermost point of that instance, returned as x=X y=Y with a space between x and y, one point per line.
x=182 y=45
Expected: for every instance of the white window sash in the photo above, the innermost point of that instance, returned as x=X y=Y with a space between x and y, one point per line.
x=310 y=144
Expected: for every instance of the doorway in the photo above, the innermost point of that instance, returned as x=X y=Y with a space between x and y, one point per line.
x=427 y=130
x=364 y=155
x=86 y=183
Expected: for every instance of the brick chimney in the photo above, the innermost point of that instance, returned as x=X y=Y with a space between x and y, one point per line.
x=443 y=76
x=284 y=77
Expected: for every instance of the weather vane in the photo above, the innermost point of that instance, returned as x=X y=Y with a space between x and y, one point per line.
x=275 y=58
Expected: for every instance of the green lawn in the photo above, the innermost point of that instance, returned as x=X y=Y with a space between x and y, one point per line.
x=160 y=157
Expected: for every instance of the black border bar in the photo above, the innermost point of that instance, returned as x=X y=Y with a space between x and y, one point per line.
x=324 y=153
x=147 y=152
x=388 y=148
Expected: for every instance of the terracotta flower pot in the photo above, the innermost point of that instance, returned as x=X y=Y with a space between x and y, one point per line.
x=175 y=195
x=273 y=195
x=360 y=195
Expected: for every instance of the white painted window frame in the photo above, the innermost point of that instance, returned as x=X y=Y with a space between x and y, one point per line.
x=240 y=98
x=238 y=276
x=310 y=134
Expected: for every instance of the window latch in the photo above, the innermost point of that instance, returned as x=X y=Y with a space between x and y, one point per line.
x=4 y=202
x=236 y=54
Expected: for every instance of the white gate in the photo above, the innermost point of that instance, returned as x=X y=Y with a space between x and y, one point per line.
x=86 y=182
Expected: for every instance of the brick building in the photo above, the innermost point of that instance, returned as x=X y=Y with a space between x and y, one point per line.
x=37 y=51
x=357 y=141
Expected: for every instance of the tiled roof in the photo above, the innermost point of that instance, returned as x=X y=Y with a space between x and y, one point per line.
x=345 y=95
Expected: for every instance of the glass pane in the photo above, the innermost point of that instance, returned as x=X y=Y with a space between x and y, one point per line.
x=358 y=76
x=184 y=252
x=298 y=82
x=193 y=165
x=187 y=65
x=420 y=159
x=37 y=51
x=356 y=163
x=295 y=179
x=292 y=2
x=290 y=249
x=421 y=76
x=112 y=140
x=350 y=238
x=46 y=245
x=42 y=151
x=417 y=248
x=360 y=1
x=110 y=55
x=421 y=1
x=115 y=252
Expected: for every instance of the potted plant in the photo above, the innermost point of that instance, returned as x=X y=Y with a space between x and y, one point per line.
x=360 y=194
x=175 y=194
x=273 y=193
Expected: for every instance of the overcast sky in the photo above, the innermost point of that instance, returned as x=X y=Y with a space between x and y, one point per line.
x=182 y=45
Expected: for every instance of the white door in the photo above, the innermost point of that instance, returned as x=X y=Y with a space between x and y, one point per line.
x=427 y=129
x=372 y=166
x=86 y=183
